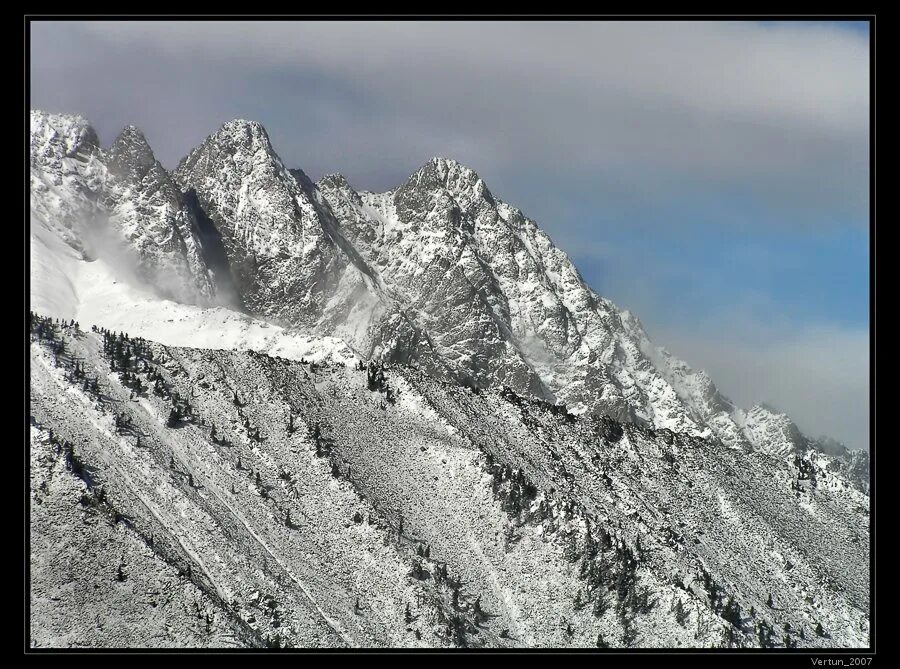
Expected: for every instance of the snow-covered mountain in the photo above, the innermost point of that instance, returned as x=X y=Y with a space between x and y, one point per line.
x=578 y=479
x=442 y=274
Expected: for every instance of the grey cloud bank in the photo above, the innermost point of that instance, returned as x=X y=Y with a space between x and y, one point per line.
x=781 y=111
x=819 y=375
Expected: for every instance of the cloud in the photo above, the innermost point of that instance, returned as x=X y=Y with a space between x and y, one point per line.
x=779 y=112
x=817 y=374
x=781 y=327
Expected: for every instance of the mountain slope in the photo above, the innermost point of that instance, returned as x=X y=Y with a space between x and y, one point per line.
x=299 y=483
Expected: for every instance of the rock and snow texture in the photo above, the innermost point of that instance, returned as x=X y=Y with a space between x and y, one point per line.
x=299 y=504
x=275 y=234
x=450 y=510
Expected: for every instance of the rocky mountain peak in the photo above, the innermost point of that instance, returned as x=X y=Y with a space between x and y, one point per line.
x=244 y=133
x=831 y=446
x=766 y=407
x=335 y=186
x=131 y=155
x=57 y=136
x=237 y=145
x=450 y=176
x=772 y=431
x=131 y=135
x=272 y=221
x=335 y=180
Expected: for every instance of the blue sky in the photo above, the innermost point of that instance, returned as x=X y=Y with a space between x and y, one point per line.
x=810 y=273
x=711 y=177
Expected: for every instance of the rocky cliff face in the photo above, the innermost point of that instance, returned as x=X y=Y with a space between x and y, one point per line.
x=150 y=212
x=496 y=297
x=66 y=173
x=274 y=234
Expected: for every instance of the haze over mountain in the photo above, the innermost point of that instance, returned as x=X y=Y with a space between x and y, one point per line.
x=396 y=418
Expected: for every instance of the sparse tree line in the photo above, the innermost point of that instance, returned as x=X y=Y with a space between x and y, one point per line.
x=460 y=615
x=51 y=333
x=95 y=499
x=742 y=628
x=44 y=328
x=324 y=364
x=132 y=358
x=608 y=566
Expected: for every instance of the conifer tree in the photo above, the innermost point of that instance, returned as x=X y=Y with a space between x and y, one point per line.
x=600 y=604
x=764 y=634
x=417 y=572
x=680 y=613
x=732 y=612
x=477 y=612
